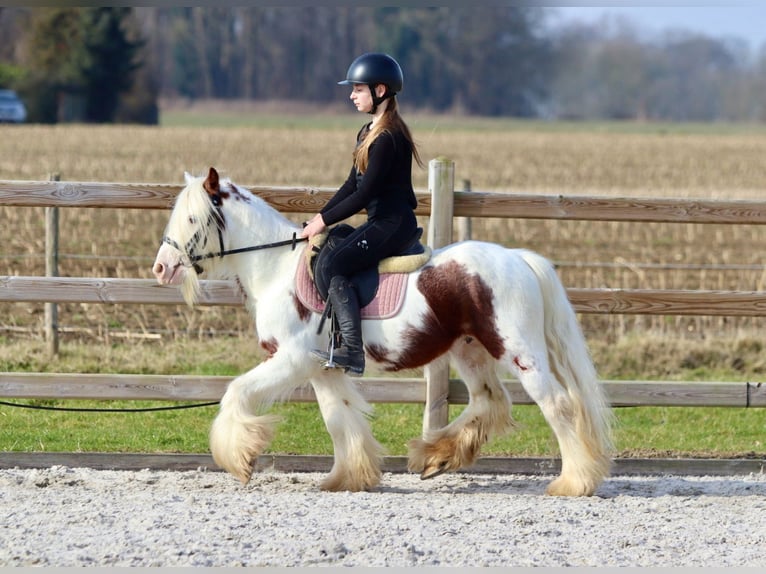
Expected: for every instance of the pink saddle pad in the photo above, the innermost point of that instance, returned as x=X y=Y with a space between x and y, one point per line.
x=387 y=303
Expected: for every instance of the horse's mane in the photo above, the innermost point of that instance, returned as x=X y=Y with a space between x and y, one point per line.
x=192 y=204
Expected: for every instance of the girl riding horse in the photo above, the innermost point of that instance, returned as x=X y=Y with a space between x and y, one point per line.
x=380 y=181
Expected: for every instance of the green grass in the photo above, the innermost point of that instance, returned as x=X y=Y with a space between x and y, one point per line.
x=644 y=431
x=27 y=430
x=640 y=431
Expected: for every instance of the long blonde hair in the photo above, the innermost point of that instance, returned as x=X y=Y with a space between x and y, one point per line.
x=389 y=122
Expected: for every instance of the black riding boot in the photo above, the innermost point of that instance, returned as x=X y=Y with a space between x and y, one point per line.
x=345 y=304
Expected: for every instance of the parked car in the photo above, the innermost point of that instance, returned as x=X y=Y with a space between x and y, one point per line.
x=12 y=109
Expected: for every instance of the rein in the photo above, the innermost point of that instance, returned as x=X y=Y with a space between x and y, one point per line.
x=195 y=259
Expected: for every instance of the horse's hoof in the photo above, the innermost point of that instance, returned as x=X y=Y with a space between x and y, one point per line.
x=243 y=474
x=433 y=472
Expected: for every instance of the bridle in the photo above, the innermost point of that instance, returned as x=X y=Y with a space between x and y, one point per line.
x=193 y=260
x=189 y=259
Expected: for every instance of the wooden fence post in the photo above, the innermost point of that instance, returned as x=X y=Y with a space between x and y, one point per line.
x=441 y=185
x=52 y=270
x=463 y=224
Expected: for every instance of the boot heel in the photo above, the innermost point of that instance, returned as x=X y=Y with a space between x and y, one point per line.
x=356 y=371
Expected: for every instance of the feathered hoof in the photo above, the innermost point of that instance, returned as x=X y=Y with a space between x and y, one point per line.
x=236 y=447
x=240 y=466
x=562 y=486
x=434 y=470
x=416 y=459
x=244 y=469
x=432 y=459
x=345 y=483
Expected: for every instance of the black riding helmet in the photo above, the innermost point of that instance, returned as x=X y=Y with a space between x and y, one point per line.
x=376 y=68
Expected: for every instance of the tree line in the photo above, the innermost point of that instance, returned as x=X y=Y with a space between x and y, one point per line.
x=103 y=64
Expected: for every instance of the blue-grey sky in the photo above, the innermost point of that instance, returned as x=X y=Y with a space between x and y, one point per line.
x=743 y=20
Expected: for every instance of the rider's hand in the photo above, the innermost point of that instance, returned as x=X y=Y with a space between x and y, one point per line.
x=314 y=226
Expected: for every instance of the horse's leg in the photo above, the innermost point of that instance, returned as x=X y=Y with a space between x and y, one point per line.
x=582 y=469
x=345 y=412
x=585 y=460
x=487 y=415
x=239 y=434
x=551 y=359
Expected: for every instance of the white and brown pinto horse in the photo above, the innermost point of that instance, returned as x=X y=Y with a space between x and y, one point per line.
x=489 y=310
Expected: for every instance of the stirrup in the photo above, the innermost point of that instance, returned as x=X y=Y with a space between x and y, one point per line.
x=330 y=363
x=326 y=358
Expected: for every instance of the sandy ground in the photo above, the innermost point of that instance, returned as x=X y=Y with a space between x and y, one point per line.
x=81 y=517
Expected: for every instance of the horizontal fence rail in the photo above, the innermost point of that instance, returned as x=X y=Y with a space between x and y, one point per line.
x=31 y=289
x=375 y=389
x=305 y=199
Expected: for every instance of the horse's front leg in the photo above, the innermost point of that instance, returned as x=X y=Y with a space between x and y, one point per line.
x=240 y=433
x=345 y=412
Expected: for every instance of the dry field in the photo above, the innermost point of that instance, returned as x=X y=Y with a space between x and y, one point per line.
x=512 y=157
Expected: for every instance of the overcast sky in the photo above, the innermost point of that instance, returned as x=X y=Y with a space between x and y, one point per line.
x=743 y=20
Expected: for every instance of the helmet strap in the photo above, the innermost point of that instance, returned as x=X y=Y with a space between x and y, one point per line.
x=376 y=101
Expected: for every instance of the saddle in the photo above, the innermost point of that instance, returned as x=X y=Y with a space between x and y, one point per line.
x=380 y=289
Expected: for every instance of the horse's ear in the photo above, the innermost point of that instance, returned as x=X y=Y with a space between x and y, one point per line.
x=188 y=178
x=211 y=184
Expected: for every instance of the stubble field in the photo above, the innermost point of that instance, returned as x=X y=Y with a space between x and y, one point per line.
x=512 y=157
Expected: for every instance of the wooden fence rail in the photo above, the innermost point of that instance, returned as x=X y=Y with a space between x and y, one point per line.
x=441 y=203
x=32 y=289
x=375 y=389
x=466 y=204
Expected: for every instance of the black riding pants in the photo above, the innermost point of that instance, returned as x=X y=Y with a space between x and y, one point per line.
x=372 y=241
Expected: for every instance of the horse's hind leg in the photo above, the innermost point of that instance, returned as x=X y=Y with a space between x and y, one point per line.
x=357 y=453
x=585 y=461
x=549 y=354
x=487 y=415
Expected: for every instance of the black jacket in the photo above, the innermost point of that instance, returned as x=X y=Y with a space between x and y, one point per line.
x=384 y=189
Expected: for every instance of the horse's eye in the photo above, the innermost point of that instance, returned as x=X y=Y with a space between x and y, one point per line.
x=192 y=220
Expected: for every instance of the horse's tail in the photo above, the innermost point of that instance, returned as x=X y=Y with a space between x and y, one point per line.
x=571 y=362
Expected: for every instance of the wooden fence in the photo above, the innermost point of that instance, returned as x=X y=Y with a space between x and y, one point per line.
x=441 y=203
